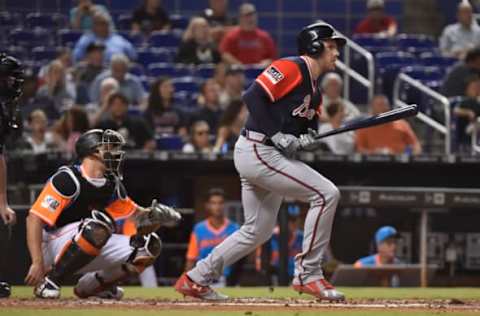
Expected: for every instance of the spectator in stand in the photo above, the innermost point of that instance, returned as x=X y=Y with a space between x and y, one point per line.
x=87 y=70
x=103 y=32
x=162 y=115
x=135 y=130
x=39 y=139
x=467 y=112
x=392 y=138
x=386 y=243
x=81 y=16
x=209 y=104
x=197 y=46
x=247 y=43
x=199 y=138
x=295 y=240
x=230 y=126
x=218 y=18
x=99 y=111
x=211 y=232
x=219 y=74
x=64 y=56
x=129 y=84
x=30 y=101
x=234 y=85
x=455 y=82
x=149 y=17
x=332 y=85
x=67 y=130
x=341 y=144
x=377 y=21
x=57 y=88
x=457 y=39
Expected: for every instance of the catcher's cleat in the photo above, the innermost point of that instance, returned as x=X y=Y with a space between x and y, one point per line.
x=321 y=289
x=112 y=293
x=47 y=289
x=187 y=287
x=5 y=290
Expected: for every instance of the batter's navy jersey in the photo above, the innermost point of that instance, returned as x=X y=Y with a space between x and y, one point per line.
x=295 y=96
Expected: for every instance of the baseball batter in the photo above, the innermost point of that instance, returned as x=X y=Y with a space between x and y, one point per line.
x=284 y=103
x=71 y=226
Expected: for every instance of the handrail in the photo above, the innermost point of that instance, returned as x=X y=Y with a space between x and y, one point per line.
x=475 y=146
x=442 y=128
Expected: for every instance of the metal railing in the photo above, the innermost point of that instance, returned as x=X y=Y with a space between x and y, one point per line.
x=443 y=128
x=475 y=145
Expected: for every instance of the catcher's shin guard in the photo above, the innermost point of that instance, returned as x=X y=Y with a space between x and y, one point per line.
x=84 y=247
x=146 y=250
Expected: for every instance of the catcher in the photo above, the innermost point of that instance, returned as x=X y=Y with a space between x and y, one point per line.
x=71 y=226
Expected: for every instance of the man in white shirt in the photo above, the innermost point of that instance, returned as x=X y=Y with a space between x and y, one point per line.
x=462 y=36
x=340 y=144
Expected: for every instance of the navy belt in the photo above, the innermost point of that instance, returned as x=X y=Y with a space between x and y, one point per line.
x=257 y=137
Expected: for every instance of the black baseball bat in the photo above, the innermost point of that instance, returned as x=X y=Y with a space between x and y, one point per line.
x=386 y=117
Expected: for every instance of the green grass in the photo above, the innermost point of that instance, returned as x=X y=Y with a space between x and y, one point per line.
x=282 y=292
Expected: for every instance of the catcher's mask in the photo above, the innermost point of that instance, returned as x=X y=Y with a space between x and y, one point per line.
x=108 y=144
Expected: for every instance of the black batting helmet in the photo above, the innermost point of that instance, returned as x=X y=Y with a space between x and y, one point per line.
x=310 y=39
x=108 y=143
x=11 y=78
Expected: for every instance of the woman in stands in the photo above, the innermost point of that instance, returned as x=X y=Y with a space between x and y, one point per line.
x=149 y=17
x=197 y=46
x=162 y=115
x=69 y=127
x=230 y=126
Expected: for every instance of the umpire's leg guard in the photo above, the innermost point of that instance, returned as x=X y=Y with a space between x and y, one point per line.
x=146 y=250
x=83 y=248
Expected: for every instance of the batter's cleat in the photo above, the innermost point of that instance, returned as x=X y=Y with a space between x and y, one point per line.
x=113 y=293
x=321 y=289
x=5 y=290
x=47 y=289
x=187 y=287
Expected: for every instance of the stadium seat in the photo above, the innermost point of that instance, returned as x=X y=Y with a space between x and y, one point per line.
x=432 y=59
x=148 y=56
x=164 y=39
x=415 y=43
x=374 y=43
x=18 y=52
x=179 y=21
x=44 y=55
x=182 y=70
x=67 y=37
x=47 y=21
x=161 y=69
x=252 y=71
x=134 y=111
x=9 y=20
x=423 y=73
x=181 y=98
x=145 y=82
x=188 y=84
x=388 y=65
x=205 y=71
x=124 y=22
x=172 y=142
x=137 y=69
x=136 y=39
x=30 y=38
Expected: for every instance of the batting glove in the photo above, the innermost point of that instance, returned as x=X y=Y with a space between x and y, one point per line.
x=286 y=143
x=308 y=141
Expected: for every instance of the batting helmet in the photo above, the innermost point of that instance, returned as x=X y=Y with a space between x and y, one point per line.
x=11 y=78
x=310 y=40
x=107 y=143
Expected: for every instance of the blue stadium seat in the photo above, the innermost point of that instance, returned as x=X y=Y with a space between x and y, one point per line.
x=188 y=84
x=423 y=73
x=164 y=39
x=416 y=43
x=172 y=142
x=205 y=71
x=374 y=43
x=30 y=38
x=124 y=22
x=67 y=37
x=45 y=20
x=388 y=65
x=145 y=82
x=252 y=71
x=182 y=70
x=136 y=39
x=147 y=56
x=181 y=98
x=9 y=20
x=179 y=21
x=44 y=55
x=137 y=69
x=432 y=59
x=161 y=69
x=18 y=52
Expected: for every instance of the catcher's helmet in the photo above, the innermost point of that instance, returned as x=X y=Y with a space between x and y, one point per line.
x=11 y=78
x=310 y=39
x=108 y=143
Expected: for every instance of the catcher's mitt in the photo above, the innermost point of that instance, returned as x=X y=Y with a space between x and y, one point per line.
x=154 y=217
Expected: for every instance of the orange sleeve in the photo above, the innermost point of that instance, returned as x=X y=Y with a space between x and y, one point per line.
x=192 y=252
x=50 y=204
x=121 y=208
x=278 y=79
x=357 y=264
x=411 y=138
x=361 y=142
x=258 y=258
x=129 y=228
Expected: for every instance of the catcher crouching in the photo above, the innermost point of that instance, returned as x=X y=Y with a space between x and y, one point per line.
x=71 y=226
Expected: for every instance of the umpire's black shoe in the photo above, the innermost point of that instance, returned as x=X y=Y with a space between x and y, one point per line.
x=5 y=290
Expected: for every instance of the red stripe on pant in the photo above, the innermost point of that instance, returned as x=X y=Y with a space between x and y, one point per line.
x=303 y=255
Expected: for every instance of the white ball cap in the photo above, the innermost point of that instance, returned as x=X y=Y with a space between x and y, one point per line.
x=375 y=4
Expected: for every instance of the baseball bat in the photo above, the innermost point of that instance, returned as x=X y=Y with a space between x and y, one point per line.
x=386 y=117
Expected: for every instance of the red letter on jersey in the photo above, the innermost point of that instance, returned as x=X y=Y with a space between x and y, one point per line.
x=278 y=79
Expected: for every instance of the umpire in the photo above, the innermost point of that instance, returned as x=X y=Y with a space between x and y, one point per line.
x=11 y=79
